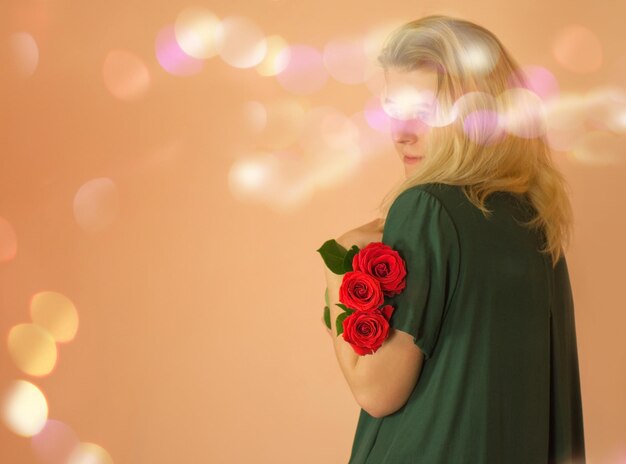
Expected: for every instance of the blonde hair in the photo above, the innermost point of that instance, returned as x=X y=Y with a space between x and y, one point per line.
x=479 y=158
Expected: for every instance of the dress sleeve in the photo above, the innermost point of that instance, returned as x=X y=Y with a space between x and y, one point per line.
x=421 y=230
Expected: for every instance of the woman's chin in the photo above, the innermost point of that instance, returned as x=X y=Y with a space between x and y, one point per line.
x=408 y=170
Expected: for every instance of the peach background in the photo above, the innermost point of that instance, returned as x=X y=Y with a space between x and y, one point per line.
x=200 y=339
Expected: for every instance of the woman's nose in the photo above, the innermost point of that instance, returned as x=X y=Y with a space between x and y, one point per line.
x=407 y=130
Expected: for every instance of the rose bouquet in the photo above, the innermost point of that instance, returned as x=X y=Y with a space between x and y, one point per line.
x=369 y=275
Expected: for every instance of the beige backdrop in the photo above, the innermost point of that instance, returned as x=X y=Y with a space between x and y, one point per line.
x=138 y=193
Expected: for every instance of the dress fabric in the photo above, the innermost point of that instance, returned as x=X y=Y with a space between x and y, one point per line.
x=500 y=381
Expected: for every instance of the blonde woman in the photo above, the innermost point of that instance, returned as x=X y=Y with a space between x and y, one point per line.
x=481 y=363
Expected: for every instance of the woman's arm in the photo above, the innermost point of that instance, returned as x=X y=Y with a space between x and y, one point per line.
x=346 y=356
x=381 y=382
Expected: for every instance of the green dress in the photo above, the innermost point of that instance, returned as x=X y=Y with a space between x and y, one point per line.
x=500 y=381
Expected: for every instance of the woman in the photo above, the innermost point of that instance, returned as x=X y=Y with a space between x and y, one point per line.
x=481 y=362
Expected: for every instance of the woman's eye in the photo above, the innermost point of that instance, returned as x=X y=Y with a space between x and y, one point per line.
x=406 y=111
x=406 y=115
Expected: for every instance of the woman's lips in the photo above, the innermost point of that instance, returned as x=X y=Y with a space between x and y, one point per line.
x=412 y=159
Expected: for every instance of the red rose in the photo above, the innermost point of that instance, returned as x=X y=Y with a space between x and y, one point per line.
x=384 y=264
x=360 y=291
x=366 y=330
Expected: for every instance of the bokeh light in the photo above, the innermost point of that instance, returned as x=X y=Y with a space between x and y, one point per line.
x=280 y=180
x=481 y=126
x=8 y=241
x=345 y=60
x=541 y=81
x=599 y=148
x=276 y=58
x=407 y=103
x=372 y=44
x=606 y=109
x=481 y=121
x=478 y=58
x=330 y=143
x=305 y=72
x=332 y=167
x=23 y=54
x=370 y=142
x=524 y=113
x=375 y=115
x=32 y=349
x=254 y=116
x=125 y=75
x=374 y=39
x=89 y=453
x=195 y=30
x=171 y=57
x=96 y=204
x=284 y=123
x=565 y=119
x=253 y=177
x=440 y=115
x=337 y=131
x=240 y=42
x=583 y=123
x=327 y=129
x=577 y=49
x=374 y=79
x=56 y=313
x=54 y=443
x=24 y=408
x=566 y=112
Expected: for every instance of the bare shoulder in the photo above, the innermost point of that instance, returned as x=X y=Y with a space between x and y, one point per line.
x=376 y=225
x=362 y=235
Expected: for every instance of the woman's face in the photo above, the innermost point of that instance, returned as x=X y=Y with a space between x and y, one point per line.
x=409 y=100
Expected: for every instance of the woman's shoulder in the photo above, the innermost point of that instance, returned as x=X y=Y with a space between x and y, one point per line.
x=417 y=199
x=442 y=193
x=454 y=196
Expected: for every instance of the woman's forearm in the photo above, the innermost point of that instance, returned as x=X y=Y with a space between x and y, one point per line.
x=346 y=357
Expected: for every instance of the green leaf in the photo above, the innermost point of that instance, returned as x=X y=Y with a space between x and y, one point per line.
x=339 y=322
x=333 y=255
x=326 y=297
x=327 y=316
x=345 y=308
x=347 y=260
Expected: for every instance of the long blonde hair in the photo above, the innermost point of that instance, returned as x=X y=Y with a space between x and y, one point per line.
x=478 y=157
